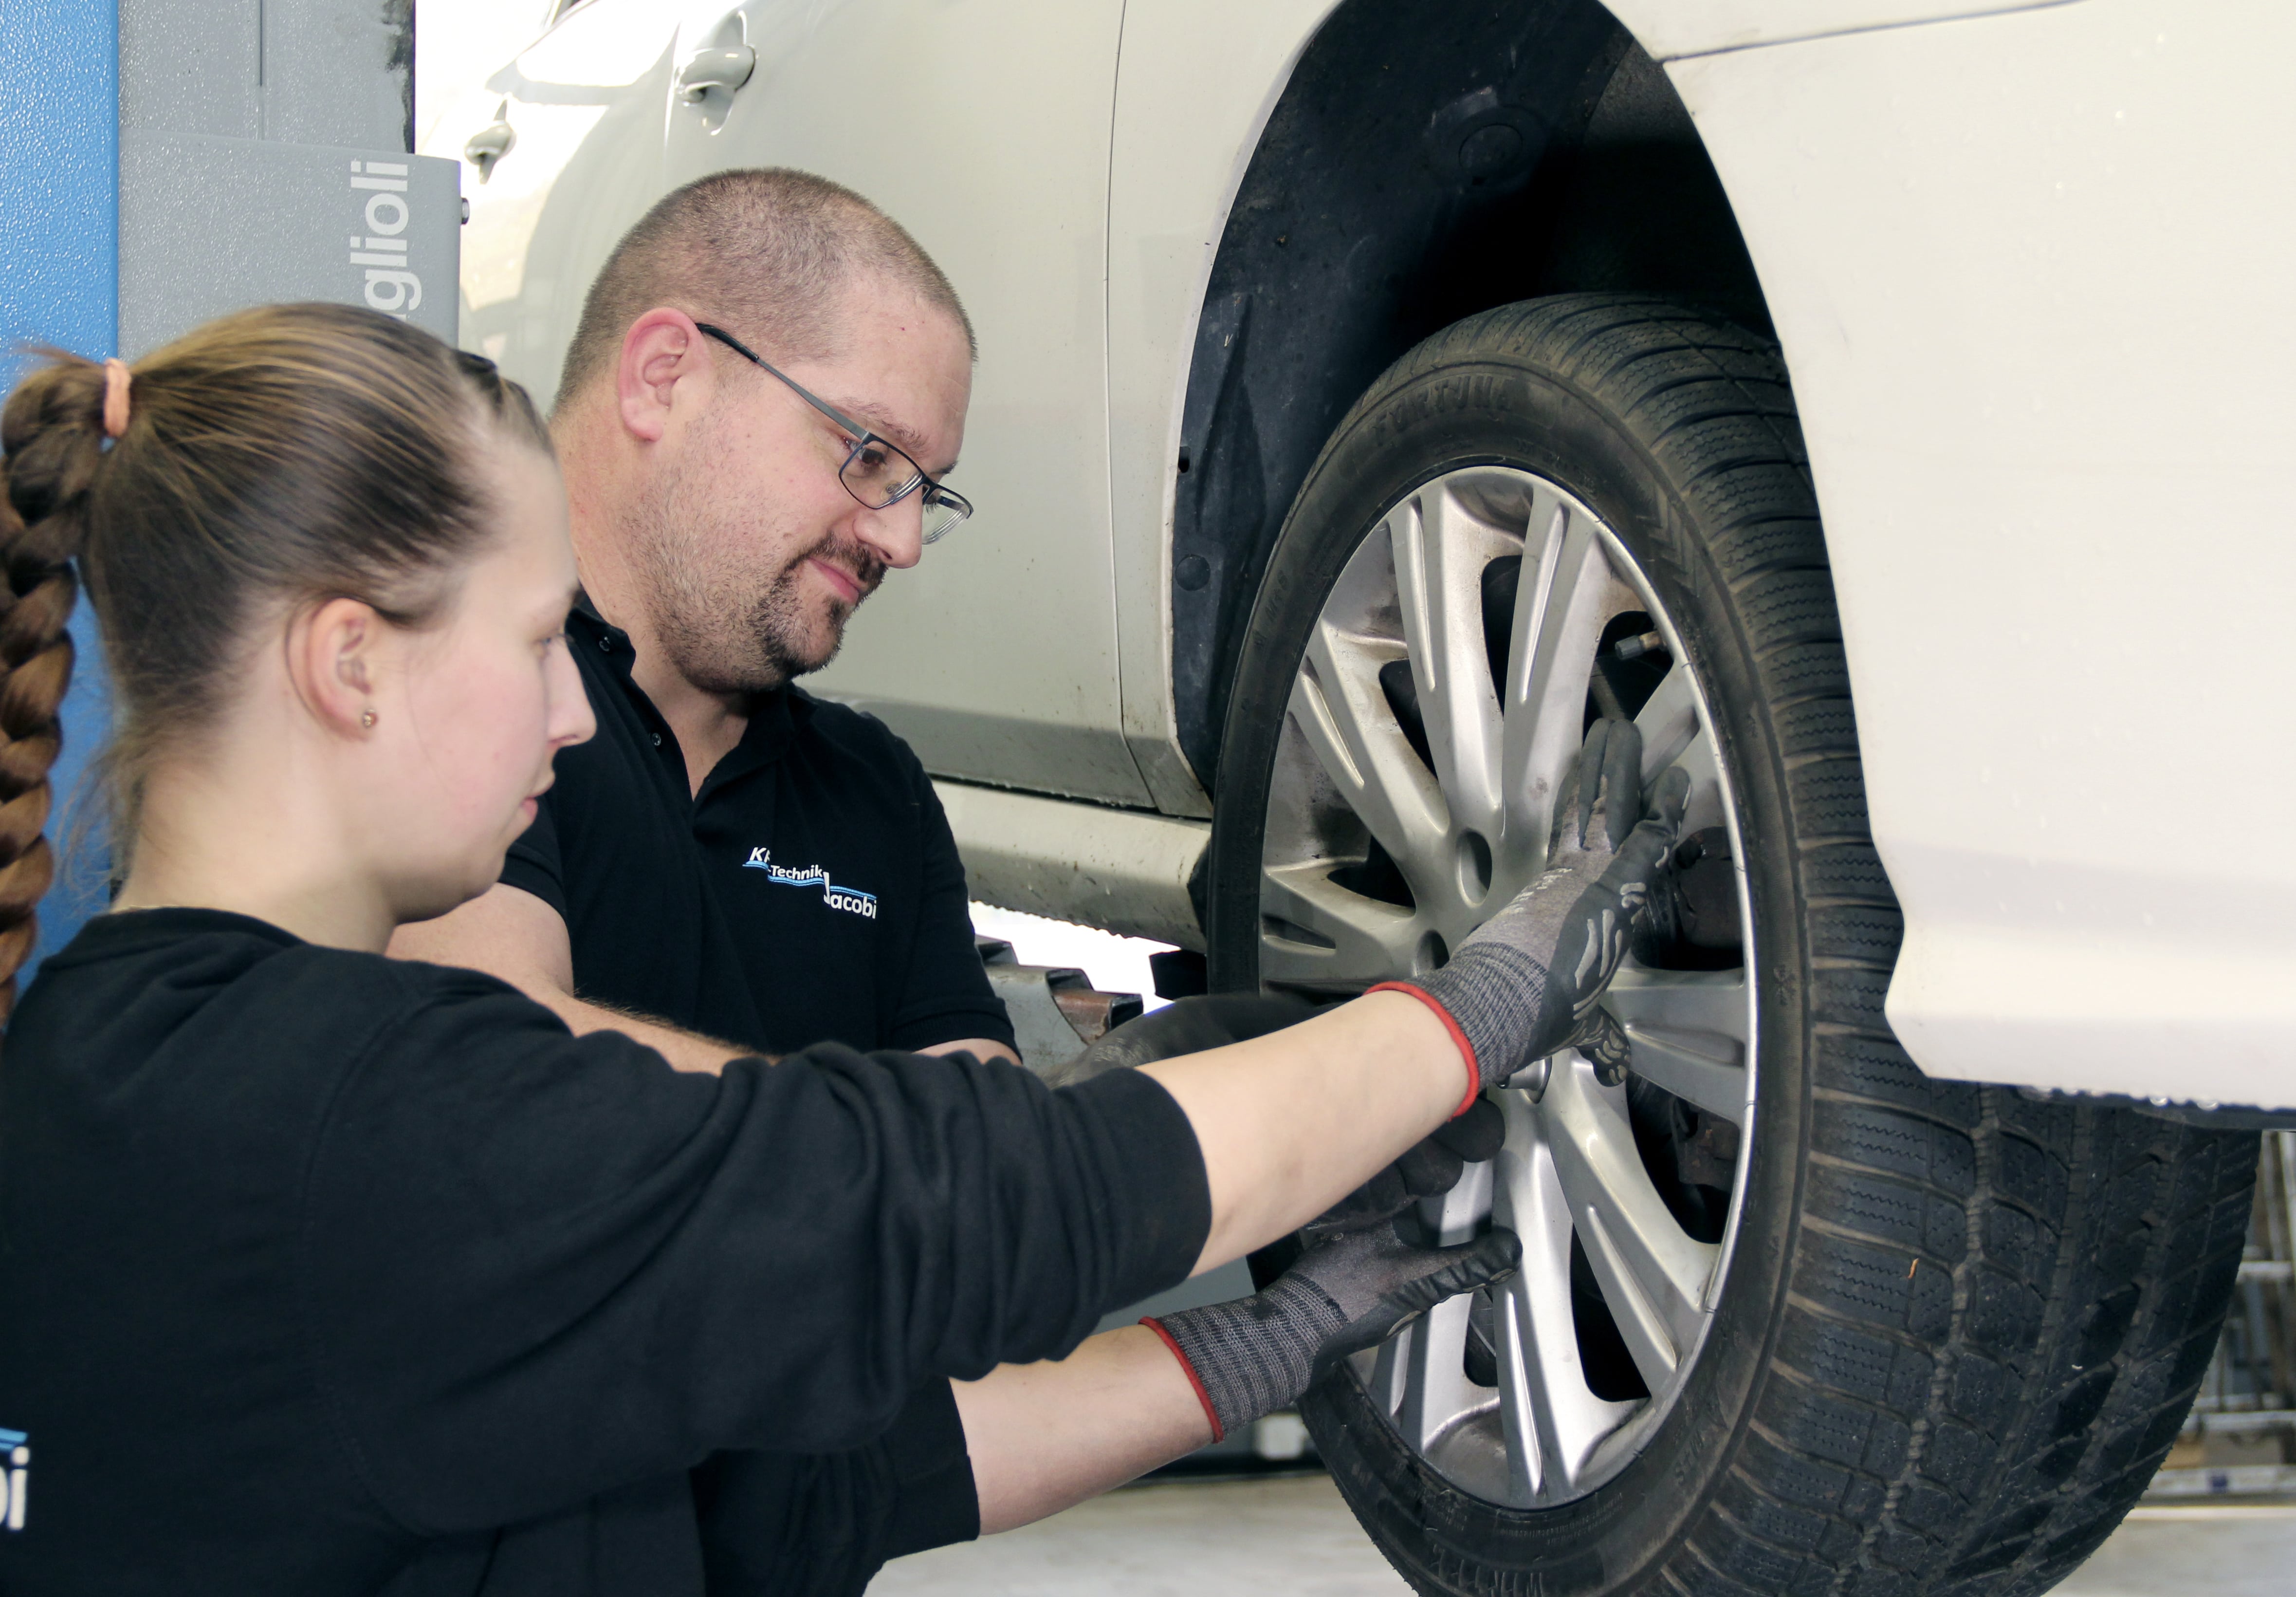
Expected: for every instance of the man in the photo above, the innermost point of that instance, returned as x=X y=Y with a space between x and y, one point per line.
x=732 y=861
x=767 y=384
x=731 y=865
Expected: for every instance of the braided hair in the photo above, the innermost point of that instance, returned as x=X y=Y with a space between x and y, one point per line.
x=269 y=459
x=51 y=431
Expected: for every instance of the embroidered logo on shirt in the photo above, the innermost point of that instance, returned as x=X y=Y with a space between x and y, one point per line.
x=851 y=900
x=18 y=1458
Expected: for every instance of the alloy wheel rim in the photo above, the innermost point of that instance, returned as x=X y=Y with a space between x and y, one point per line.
x=1443 y=691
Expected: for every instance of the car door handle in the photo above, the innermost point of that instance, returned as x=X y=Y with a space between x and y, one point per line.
x=490 y=144
x=706 y=70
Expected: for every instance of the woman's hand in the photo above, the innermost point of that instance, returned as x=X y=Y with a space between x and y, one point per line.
x=1259 y=1353
x=1291 y=1122
x=1524 y=984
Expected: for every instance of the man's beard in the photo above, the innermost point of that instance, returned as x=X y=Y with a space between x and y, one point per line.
x=778 y=621
x=721 y=633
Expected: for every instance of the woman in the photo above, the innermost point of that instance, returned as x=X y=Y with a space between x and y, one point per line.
x=321 y=1272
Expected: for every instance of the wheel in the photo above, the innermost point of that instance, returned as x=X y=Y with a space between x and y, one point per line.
x=1792 y=1317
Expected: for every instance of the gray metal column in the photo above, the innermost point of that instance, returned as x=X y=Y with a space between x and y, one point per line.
x=263 y=155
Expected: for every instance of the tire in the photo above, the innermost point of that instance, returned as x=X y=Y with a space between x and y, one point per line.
x=1951 y=1331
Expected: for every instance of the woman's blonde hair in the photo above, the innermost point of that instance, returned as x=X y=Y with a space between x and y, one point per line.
x=273 y=458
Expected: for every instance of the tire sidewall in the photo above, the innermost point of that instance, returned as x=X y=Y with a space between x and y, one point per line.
x=1424 y=420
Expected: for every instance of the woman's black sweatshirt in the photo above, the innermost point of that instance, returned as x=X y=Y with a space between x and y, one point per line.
x=322 y=1273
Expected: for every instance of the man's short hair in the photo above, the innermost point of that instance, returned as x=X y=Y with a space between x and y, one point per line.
x=766 y=250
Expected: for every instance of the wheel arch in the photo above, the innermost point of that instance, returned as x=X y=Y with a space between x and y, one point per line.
x=1410 y=175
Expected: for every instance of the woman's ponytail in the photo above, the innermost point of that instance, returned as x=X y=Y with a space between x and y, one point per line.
x=276 y=457
x=52 y=432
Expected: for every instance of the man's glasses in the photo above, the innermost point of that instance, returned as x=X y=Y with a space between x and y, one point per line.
x=877 y=472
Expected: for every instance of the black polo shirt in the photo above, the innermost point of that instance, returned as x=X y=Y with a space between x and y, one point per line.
x=811 y=891
x=326 y=1273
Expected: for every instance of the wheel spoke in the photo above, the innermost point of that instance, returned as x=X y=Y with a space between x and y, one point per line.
x=1689 y=1030
x=1552 y=1421
x=1652 y=1273
x=1668 y=720
x=1437 y=1393
x=1440 y=550
x=1381 y=1371
x=1456 y=1215
x=1368 y=940
x=1340 y=710
x=1524 y=1418
x=1558 y=620
x=1704 y=808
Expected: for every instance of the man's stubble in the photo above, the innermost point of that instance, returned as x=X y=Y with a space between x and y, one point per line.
x=727 y=628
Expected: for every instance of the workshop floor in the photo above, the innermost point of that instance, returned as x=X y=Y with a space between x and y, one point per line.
x=1292 y=1535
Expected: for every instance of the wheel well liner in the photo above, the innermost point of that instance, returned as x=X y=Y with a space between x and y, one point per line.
x=1419 y=167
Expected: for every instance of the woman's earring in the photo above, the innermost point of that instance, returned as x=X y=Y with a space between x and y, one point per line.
x=367 y=718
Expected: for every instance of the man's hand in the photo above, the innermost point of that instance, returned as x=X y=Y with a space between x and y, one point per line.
x=515 y=937
x=1428 y=1170
x=1524 y=984
x=1258 y=1353
x=1188 y=1026
x=980 y=1048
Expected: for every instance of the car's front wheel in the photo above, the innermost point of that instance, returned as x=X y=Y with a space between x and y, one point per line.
x=1792 y=1316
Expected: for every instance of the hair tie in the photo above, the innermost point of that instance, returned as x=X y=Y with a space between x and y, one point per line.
x=116 y=378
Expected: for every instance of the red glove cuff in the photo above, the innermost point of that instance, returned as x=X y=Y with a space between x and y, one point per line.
x=1220 y=1432
x=1466 y=1049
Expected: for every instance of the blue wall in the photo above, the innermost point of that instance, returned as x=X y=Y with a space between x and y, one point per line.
x=59 y=284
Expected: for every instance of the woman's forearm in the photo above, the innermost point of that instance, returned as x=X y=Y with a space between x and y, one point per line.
x=1043 y=1437
x=1290 y=1123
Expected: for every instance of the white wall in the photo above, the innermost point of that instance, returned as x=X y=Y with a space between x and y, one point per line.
x=458 y=47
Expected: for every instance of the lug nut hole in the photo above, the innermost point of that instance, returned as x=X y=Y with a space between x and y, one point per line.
x=1474 y=867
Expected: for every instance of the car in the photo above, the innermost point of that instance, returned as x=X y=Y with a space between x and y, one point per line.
x=1877 y=401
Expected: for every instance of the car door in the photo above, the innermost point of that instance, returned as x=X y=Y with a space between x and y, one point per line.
x=982 y=127
x=563 y=152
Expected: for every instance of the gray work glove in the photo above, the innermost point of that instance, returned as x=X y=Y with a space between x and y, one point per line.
x=1524 y=984
x=1214 y=1020
x=1259 y=1353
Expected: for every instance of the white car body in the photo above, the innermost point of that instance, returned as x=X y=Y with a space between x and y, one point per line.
x=2028 y=265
